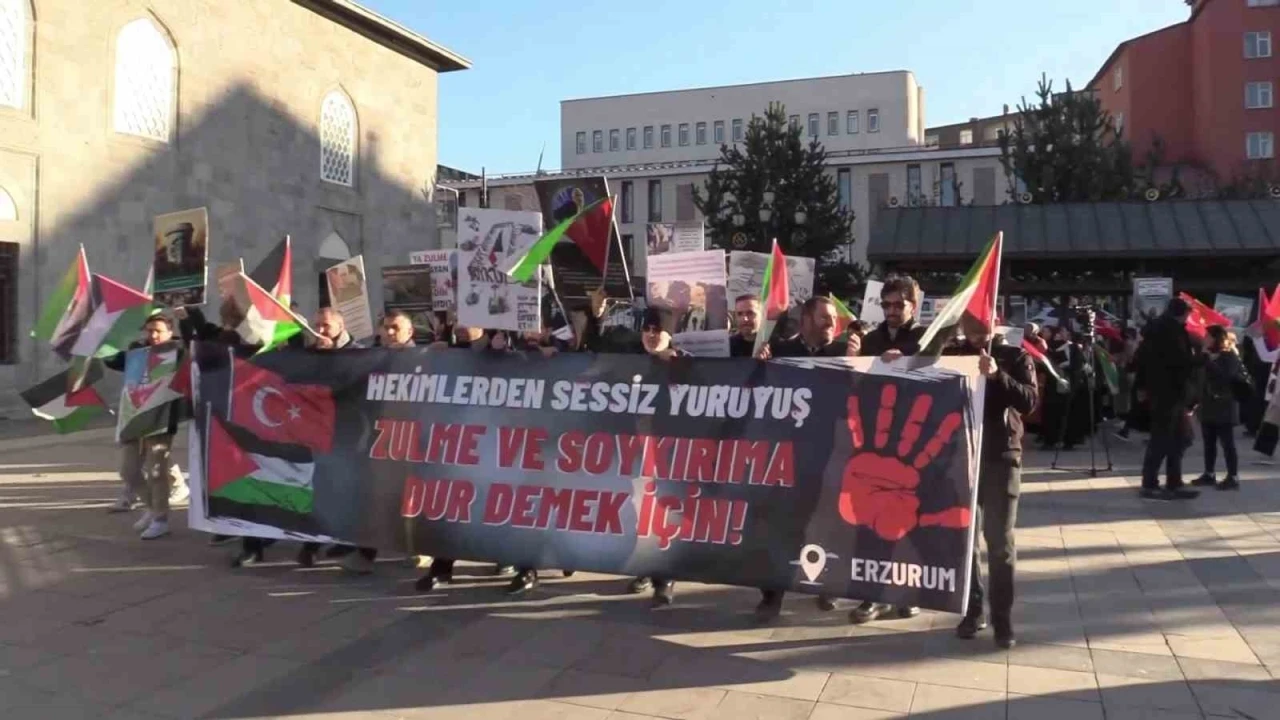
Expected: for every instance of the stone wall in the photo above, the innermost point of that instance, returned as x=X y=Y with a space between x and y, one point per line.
x=251 y=78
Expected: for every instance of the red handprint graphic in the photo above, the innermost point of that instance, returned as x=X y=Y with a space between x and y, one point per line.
x=879 y=490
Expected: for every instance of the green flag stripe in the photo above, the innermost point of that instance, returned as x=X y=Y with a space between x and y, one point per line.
x=57 y=305
x=527 y=265
x=252 y=491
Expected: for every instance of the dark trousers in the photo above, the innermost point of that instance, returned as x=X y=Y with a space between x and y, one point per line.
x=997 y=515
x=1165 y=448
x=255 y=545
x=1213 y=434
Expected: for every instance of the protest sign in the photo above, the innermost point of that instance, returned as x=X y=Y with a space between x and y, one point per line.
x=444 y=277
x=662 y=238
x=690 y=287
x=148 y=400
x=181 y=263
x=349 y=295
x=1150 y=297
x=408 y=288
x=575 y=274
x=487 y=298
x=846 y=477
x=1236 y=308
x=871 y=310
x=746 y=275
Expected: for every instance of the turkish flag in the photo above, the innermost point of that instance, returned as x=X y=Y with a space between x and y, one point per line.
x=266 y=404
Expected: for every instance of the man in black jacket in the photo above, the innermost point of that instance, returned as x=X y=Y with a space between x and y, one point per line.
x=1010 y=393
x=746 y=316
x=1164 y=365
x=897 y=336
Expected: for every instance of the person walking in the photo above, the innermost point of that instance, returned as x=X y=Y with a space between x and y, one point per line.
x=1164 y=365
x=1223 y=380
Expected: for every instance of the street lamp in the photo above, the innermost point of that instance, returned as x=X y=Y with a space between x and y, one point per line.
x=802 y=214
x=739 y=219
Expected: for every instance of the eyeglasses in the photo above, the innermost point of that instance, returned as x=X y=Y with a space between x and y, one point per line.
x=652 y=329
x=893 y=305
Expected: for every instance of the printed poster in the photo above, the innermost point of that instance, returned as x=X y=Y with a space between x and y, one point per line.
x=538 y=474
x=148 y=400
x=746 y=275
x=444 y=277
x=662 y=238
x=180 y=266
x=487 y=298
x=871 y=311
x=408 y=288
x=575 y=273
x=1236 y=308
x=1150 y=298
x=690 y=288
x=349 y=295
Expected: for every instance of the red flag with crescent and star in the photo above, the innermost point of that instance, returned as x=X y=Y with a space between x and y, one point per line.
x=274 y=410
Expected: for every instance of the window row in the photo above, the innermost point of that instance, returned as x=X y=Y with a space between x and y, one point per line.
x=629 y=139
x=1260 y=145
x=144 y=103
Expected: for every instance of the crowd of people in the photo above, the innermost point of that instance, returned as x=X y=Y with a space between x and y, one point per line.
x=1167 y=377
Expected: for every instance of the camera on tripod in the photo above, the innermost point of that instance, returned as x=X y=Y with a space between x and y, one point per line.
x=1086 y=320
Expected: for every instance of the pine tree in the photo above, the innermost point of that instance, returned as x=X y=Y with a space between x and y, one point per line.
x=772 y=156
x=1066 y=148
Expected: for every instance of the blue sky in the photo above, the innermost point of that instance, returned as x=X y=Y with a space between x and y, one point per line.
x=971 y=56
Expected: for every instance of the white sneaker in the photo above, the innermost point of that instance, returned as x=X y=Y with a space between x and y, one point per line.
x=417 y=562
x=123 y=504
x=157 y=528
x=143 y=521
x=179 y=494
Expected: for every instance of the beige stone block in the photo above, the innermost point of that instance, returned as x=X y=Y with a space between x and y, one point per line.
x=958 y=702
x=1201 y=669
x=869 y=692
x=1237 y=699
x=1120 y=691
x=1136 y=665
x=746 y=706
x=1060 y=657
x=609 y=692
x=690 y=703
x=825 y=711
x=1225 y=649
x=1065 y=684
x=1023 y=707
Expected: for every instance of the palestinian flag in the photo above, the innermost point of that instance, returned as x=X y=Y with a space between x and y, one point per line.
x=593 y=218
x=775 y=295
x=844 y=316
x=1269 y=318
x=67 y=311
x=275 y=272
x=1043 y=360
x=68 y=410
x=1110 y=373
x=265 y=319
x=239 y=475
x=118 y=313
x=975 y=298
x=148 y=399
x=1202 y=317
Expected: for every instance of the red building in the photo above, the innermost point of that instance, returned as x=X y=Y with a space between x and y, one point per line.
x=1205 y=87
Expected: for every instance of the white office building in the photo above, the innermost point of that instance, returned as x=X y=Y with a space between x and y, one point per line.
x=655 y=147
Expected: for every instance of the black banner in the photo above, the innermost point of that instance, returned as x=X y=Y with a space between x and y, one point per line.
x=850 y=481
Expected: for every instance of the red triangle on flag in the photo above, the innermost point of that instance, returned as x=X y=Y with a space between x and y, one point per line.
x=232 y=463
x=592 y=232
x=116 y=297
x=84 y=397
x=982 y=304
x=268 y=307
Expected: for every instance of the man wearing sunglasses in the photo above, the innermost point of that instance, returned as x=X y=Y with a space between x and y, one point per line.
x=897 y=336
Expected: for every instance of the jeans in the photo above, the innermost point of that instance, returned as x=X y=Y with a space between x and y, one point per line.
x=1165 y=448
x=1214 y=433
x=146 y=467
x=998 y=515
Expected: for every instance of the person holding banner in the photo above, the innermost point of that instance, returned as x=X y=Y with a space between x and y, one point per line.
x=147 y=467
x=817 y=338
x=746 y=316
x=897 y=336
x=1011 y=393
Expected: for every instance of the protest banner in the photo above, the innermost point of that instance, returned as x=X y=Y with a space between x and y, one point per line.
x=487 y=297
x=181 y=264
x=576 y=275
x=349 y=295
x=663 y=238
x=1236 y=308
x=1150 y=297
x=690 y=287
x=444 y=277
x=148 y=400
x=846 y=477
x=746 y=275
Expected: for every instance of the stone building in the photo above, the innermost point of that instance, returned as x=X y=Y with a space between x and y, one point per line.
x=313 y=118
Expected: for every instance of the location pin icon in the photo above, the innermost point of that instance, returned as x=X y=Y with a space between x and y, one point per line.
x=812 y=560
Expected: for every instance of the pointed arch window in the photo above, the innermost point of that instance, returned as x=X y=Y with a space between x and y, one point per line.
x=15 y=38
x=145 y=74
x=8 y=208
x=338 y=139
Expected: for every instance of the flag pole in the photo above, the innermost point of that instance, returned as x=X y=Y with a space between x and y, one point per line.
x=995 y=296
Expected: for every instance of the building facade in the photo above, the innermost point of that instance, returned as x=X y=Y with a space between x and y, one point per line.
x=655 y=148
x=1204 y=87
x=265 y=112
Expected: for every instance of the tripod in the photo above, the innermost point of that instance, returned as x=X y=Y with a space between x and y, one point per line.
x=1090 y=388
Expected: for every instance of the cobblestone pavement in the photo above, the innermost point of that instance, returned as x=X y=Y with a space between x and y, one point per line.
x=1127 y=610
